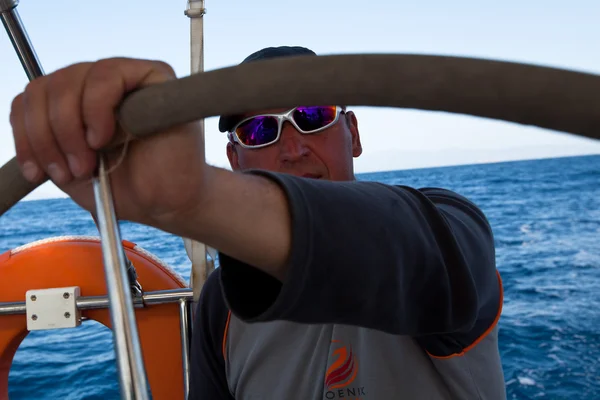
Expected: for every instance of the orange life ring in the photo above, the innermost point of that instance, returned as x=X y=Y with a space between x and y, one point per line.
x=77 y=261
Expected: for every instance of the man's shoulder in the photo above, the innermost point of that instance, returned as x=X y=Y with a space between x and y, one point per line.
x=449 y=198
x=432 y=192
x=442 y=193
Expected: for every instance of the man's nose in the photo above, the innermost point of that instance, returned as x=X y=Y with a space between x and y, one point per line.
x=292 y=144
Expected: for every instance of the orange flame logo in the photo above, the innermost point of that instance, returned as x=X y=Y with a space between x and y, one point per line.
x=342 y=371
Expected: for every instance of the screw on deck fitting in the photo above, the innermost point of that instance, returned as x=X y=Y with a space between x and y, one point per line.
x=66 y=295
x=33 y=298
x=34 y=317
x=67 y=315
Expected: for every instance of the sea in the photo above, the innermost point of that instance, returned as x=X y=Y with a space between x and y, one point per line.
x=545 y=216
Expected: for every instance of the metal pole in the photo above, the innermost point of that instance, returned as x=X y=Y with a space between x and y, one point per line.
x=197 y=252
x=132 y=374
x=184 y=319
x=19 y=38
x=129 y=356
x=196 y=11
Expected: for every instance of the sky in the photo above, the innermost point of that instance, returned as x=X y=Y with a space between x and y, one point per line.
x=542 y=32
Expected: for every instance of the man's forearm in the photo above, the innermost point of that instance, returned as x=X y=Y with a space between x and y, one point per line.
x=243 y=215
x=395 y=259
x=390 y=258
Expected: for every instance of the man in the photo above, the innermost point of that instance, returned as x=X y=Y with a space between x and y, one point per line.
x=328 y=288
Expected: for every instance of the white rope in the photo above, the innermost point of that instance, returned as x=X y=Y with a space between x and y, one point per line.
x=96 y=239
x=53 y=240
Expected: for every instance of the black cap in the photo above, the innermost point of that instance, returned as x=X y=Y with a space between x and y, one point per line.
x=228 y=122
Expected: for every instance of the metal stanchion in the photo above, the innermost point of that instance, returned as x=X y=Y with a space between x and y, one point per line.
x=197 y=252
x=132 y=374
x=185 y=322
x=18 y=36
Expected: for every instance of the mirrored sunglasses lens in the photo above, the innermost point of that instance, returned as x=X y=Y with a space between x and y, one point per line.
x=312 y=118
x=257 y=131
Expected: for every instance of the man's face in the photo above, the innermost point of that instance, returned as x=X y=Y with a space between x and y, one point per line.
x=327 y=154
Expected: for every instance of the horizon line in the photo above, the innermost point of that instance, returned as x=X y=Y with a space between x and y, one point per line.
x=409 y=169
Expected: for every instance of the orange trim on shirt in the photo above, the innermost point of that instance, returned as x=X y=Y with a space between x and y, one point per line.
x=488 y=330
x=224 y=346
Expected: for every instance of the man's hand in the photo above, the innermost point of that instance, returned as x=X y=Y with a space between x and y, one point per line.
x=62 y=119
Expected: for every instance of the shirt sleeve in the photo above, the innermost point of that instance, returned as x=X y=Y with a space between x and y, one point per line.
x=392 y=258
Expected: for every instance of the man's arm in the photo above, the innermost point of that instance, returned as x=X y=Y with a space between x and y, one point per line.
x=395 y=259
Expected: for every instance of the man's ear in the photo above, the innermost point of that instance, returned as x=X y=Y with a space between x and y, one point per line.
x=232 y=155
x=352 y=123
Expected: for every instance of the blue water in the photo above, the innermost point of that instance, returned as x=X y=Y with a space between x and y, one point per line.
x=546 y=219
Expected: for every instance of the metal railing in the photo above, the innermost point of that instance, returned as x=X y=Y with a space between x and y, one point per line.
x=183 y=297
x=100 y=302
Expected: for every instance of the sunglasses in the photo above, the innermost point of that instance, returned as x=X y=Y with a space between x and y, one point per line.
x=265 y=129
